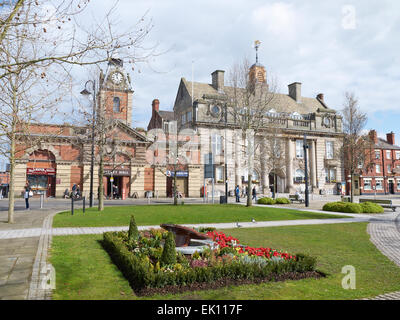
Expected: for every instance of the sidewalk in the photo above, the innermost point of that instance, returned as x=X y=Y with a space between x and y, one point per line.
x=17 y=254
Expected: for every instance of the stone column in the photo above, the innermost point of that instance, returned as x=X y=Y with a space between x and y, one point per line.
x=313 y=170
x=289 y=165
x=160 y=182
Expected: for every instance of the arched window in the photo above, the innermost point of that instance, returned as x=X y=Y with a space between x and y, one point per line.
x=116 y=104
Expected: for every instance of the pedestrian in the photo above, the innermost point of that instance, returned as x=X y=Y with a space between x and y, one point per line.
x=237 y=193
x=27 y=193
x=254 y=193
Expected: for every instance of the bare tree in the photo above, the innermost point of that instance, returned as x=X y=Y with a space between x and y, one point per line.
x=247 y=103
x=41 y=41
x=355 y=143
x=272 y=155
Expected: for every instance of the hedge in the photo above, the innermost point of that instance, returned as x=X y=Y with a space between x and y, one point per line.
x=140 y=275
x=266 y=200
x=282 y=201
x=348 y=207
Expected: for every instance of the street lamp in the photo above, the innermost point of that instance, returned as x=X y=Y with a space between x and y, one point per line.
x=86 y=92
x=305 y=147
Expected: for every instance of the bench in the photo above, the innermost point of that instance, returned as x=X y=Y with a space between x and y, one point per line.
x=295 y=197
x=382 y=202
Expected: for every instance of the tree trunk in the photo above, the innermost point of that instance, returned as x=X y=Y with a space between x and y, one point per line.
x=101 y=186
x=249 y=193
x=352 y=187
x=11 y=190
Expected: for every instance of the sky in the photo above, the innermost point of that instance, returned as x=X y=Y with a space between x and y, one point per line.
x=329 y=46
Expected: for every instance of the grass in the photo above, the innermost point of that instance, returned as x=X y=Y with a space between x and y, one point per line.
x=85 y=271
x=156 y=214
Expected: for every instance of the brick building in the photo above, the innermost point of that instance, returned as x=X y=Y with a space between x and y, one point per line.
x=382 y=173
x=55 y=157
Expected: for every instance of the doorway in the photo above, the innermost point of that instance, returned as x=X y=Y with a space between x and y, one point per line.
x=391 y=186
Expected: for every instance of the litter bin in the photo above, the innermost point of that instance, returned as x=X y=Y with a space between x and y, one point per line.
x=222 y=199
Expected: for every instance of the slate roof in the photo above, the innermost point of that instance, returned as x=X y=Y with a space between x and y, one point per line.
x=383 y=144
x=281 y=103
x=167 y=115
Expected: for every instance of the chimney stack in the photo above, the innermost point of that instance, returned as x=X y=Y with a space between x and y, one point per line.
x=390 y=138
x=373 y=136
x=156 y=105
x=295 y=91
x=218 y=79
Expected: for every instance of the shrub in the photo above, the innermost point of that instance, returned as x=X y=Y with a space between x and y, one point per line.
x=133 y=232
x=266 y=200
x=169 y=254
x=282 y=201
x=339 y=206
x=141 y=273
x=370 y=207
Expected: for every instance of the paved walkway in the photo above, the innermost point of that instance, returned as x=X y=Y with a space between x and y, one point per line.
x=25 y=244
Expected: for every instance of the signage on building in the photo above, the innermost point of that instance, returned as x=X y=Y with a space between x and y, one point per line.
x=179 y=174
x=41 y=171
x=117 y=172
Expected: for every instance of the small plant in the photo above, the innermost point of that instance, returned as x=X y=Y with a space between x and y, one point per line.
x=346 y=207
x=169 y=254
x=133 y=233
x=282 y=201
x=370 y=207
x=266 y=200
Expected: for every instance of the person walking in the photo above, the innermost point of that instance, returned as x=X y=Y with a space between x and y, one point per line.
x=237 y=193
x=27 y=193
x=254 y=193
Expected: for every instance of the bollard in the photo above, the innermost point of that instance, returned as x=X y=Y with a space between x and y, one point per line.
x=72 y=206
x=84 y=206
x=41 y=200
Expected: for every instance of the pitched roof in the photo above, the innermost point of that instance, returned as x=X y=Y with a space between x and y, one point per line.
x=383 y=144
x=281 y=102
x=167 y=115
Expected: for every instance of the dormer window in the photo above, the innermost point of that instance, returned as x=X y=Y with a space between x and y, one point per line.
x=116 y=104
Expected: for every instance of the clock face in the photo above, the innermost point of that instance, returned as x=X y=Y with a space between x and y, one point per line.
x=117 y=77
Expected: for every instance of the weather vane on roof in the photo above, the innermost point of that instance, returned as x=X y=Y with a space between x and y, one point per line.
x=256 y=46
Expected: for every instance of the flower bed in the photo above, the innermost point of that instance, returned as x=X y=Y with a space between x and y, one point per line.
x=151 y=264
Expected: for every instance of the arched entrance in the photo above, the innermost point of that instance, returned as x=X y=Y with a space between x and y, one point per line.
x=41 y=172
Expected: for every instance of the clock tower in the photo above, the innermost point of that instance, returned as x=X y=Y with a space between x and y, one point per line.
x=116 y=92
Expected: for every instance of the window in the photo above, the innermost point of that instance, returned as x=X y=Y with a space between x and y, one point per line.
x=360 y=164
x=219 y=174
x=379 y=184
x=330 y=175
x=299 y=176
x=216 y=144
x=378 y=168
x=398 y=184
x=388 y=154
x=377 y=154
x=397 y=155
x=183 y=118
x=116 y=104
x=189 y=116
x=389 y=168
x=299 y=149
x=367 y=184
x=329 y=149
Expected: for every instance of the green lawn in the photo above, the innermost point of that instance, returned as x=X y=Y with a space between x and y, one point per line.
x=157 y=214
x=85 y=271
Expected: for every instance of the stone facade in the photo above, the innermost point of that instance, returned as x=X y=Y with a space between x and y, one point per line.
x=294 y=116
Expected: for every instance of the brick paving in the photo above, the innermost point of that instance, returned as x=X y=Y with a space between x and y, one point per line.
x=385 y=235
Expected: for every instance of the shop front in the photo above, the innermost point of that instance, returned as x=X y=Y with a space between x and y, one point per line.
x=181 y=182
x=42 y=181
x=117 y=183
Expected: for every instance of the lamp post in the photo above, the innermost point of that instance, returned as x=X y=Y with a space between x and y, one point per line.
x=305 y=147
x=86 y=92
